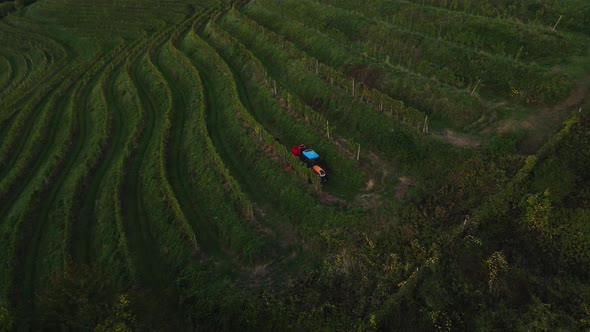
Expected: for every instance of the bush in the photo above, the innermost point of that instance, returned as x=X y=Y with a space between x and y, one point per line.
x=5 y=319
x=6 y=8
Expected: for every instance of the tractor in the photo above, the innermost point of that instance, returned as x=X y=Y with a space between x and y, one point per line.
x=310 y=158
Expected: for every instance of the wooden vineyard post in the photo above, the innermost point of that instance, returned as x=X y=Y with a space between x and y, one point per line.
x=425 y=127
x=475 y=87
x=556 y=23
x=353 y=86
x=328 y=128
x=274 y=82
x=518 y=54
x=358 y=153
x=289 y=101
x=317 y=66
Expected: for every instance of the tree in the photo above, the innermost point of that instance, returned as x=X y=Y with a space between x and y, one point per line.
x=122 y=320
x=498 y=268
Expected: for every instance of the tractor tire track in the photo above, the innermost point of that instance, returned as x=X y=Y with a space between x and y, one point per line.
x=123 y=129
x=7 y=73
x=40 y=212
x=233 y=233
x=30 y=150
x=216 y=125
x=145 y=253
x=26 y=119
x=17 y=64
x=30 y=250
x=179 y=171
x=16 y=219
x=85 y=221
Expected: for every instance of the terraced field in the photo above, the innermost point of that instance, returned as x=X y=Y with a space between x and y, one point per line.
x=147 y=179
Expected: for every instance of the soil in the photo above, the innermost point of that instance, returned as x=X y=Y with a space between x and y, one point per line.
x=402 y=188
x=458 y=140
x=327 y=198
x=370 y=185
x=260 y=270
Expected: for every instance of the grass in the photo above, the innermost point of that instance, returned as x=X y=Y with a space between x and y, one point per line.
x=135 y=137
x=143 y=240
x=258 y=99
x=184 y=106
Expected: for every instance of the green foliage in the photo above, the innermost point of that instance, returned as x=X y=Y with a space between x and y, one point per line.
x=257 y=130
x=438 y=100
x=498 y=268
x=6 y=321
x=81 y=298
x=370 y=96
x=530 y=11
x=345 y=111
x=528 y=82
x=142 y=139
x=123 y=319
x=277 y=119
x=6 y=8
x=492 y=34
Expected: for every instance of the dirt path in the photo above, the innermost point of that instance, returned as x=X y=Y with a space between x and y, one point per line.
x=541 y=125
x=457 y=139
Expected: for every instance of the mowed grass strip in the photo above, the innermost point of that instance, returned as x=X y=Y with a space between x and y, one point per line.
x=82 y=243
x=106 y=245
x=27 y=231
x=29 y=148
x=42 y=225
x=157 y=240
x=215 y=190
x=21 y=206
x=174 y=143
x=5 y=72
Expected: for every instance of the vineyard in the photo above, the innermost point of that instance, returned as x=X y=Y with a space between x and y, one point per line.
x=147 y=180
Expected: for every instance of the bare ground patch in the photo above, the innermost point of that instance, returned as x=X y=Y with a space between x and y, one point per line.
x=541 y=125
x=404 y=185
x=457 y=139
